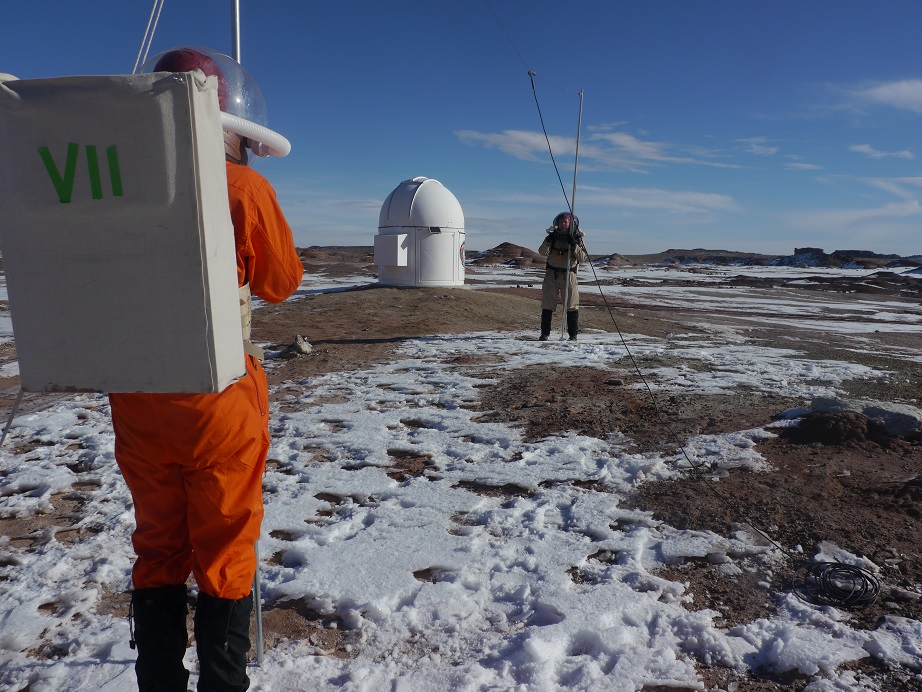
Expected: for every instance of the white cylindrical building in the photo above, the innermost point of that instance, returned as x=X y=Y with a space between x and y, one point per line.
x=420 y=239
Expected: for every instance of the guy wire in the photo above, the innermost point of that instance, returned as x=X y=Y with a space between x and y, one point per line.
x=148 y=38
x=672 y=434
x=508 y=37
x=828 y=583
x=825 y=583
x=531 y=76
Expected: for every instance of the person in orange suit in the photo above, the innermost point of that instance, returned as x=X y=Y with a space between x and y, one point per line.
x=194 y=462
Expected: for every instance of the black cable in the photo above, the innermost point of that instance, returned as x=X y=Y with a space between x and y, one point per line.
x=826 y=583
x=673 y=435
x=508 y=37
x=531 y=76
x=837 y=584
x=828 y=580
x=656 y=407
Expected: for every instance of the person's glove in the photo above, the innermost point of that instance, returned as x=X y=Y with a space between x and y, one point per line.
x=578 y=236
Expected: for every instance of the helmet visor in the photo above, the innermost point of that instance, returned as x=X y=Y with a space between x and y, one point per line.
x=238 y=93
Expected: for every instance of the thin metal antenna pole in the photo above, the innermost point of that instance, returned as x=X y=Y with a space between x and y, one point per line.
x=566 y=292
x=566 y=286
x=579 y=126
x=257 y=590
x=9 y=421
x=258 y=610
x=235 y=28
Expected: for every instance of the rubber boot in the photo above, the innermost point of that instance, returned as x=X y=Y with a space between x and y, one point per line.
x=546 y=316
x=159 y=616
x=572 y=324
x=222 y=639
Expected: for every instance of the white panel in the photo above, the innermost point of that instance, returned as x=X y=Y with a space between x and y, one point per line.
x=391 y=250
x=117 y=243
x=437 y=258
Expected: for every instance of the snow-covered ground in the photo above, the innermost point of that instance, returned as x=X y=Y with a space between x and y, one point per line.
x=445 y=588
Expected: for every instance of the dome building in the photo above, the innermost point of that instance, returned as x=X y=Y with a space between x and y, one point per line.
x=420 y=239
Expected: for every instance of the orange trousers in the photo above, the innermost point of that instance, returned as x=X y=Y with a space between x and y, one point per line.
x=194 y=465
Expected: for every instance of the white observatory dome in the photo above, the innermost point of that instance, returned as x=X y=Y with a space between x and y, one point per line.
x=420 y=239
x=421 y=202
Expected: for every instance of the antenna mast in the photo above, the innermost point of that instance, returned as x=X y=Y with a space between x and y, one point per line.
x=235 y=29
x=566 y=286
x=579 y=126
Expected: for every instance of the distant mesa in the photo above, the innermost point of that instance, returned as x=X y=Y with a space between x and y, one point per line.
x=338 y=258
x=613 y=261
x=511 y=255
x=337 y=253
x=702 y=256
x=507 y=254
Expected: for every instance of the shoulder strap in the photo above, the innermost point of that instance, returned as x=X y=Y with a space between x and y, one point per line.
x=246 y=321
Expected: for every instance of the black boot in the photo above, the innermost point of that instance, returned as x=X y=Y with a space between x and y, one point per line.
x=572 y=324
x=159 y=616
x=546 y=316
x=222 y=638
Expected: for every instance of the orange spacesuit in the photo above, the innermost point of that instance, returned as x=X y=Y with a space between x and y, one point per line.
x=194 y=462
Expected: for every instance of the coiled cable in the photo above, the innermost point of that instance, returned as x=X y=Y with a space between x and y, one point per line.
x=836 y=584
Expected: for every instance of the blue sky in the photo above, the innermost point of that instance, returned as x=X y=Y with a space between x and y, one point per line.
x=752 y=125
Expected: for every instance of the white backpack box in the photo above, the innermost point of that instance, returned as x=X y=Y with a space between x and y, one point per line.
x=116 y=234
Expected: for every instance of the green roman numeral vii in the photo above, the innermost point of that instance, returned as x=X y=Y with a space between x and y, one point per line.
x=64 y=184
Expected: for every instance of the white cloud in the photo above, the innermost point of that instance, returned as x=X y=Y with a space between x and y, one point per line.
x=837 y=219
x=643 y=152
x=520 y=144
x=607 y=127
x=611 y=150
x=797 y=166
x=905 y=94
x=873 y=153
x=662 y=200
x=651 y=151
x=758 y=146
x=899 y=187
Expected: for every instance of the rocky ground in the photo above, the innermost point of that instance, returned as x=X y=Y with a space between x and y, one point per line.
x=838 y=478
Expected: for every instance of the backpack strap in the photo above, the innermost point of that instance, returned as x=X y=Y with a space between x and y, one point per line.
x=246 y=321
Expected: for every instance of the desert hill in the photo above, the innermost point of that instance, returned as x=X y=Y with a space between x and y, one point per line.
x=507 y=254
x=802 y=257
x=512 y=255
